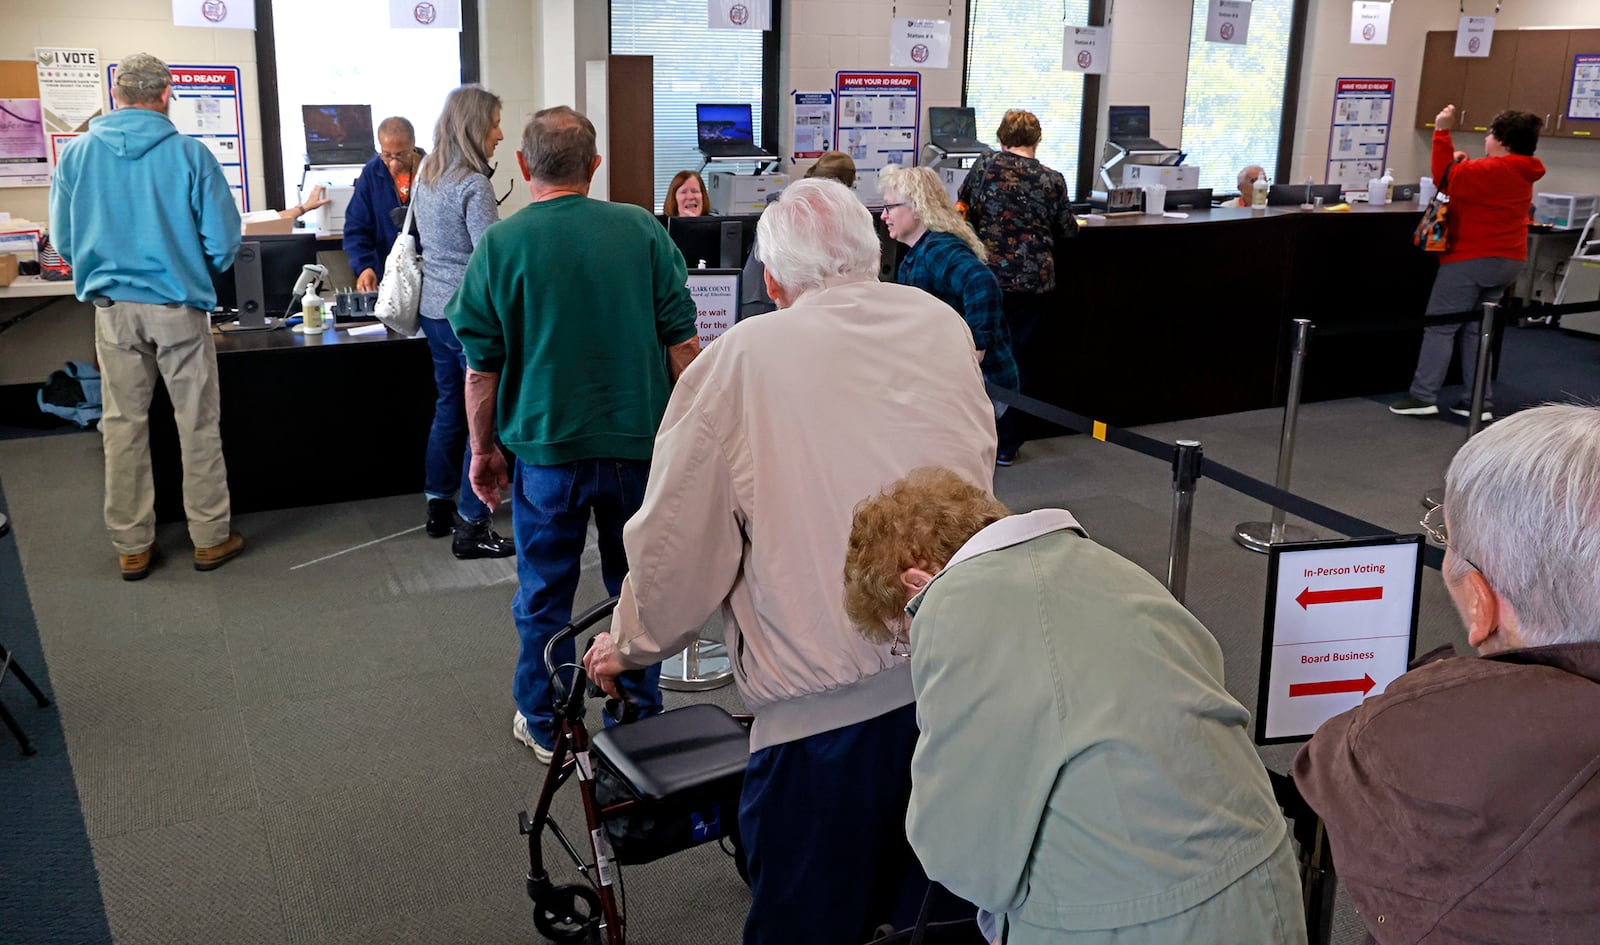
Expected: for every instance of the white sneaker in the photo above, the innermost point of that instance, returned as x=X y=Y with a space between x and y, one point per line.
x=519 y=731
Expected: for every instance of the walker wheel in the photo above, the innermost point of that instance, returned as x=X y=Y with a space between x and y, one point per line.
x=566 y=913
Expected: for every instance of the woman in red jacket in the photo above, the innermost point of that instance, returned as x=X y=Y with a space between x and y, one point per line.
x=1489 y=201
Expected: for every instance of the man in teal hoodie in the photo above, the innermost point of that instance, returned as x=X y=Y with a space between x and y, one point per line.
x=144 y=216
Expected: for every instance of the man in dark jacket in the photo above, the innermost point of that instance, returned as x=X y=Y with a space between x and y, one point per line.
x=1463 y=804
x=370 y=226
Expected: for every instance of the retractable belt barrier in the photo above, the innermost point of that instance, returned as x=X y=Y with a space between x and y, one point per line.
x=1223 y=475
x=1453 y=318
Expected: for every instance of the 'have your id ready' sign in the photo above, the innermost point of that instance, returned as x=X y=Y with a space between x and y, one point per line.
x=1341 y=624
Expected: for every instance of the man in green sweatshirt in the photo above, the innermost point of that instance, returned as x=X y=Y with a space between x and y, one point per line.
x=564 y=313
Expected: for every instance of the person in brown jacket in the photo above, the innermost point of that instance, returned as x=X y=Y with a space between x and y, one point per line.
x=1463 y=804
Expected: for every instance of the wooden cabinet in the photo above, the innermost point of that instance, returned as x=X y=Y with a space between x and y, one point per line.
x=1579 y=42
x=1528 y=70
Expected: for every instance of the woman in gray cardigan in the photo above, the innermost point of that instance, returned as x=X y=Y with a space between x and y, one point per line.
x=454 y=203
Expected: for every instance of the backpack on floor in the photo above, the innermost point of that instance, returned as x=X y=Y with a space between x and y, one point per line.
x=72 y=393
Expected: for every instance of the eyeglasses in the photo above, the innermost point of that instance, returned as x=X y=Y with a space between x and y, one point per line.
x=1440 y=533
x=405 y=155
x=494 y=169
x=900 y=643
x=890 y=206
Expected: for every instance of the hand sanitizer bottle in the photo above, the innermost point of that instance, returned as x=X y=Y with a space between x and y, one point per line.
x=1258 y=197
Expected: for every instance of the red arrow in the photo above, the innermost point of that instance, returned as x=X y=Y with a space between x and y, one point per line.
x=1363 y=685
x=1339 y=595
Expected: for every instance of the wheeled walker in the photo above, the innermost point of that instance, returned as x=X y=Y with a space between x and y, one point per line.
x=650 y=787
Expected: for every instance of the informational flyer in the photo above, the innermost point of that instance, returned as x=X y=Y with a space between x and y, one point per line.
x=1369 y=22
x=70 y=92
x=24 y=155
x=1341 y=625
x=919 y=44
x=1228 y=21
x=739 y=14
x=1358 y=139
x=206 y=106
x=716 y=301
x=813 y=125
x=1086 y=49
x=1585 y=101
x=1474 y=35
x=425 y=14
x=875 y=122
x=215 y=14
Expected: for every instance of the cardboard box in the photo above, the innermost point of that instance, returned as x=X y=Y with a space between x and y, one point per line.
x=267 y=223
x=8 y=269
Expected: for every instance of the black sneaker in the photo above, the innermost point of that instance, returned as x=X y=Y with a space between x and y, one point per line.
x=441 y=517
x=1412 y=407
x=1462 y=408
x=480 y=541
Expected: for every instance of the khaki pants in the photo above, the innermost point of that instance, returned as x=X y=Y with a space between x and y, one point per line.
x=136 y=343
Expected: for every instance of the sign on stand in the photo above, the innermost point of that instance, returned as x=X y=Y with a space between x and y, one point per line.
x=716 y=301
x=1341 y=625
x=875 y=122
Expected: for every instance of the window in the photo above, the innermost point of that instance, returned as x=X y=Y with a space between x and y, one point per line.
x=694 y=64
x=1014 y=61
x=1233 y=105
x=398 y=72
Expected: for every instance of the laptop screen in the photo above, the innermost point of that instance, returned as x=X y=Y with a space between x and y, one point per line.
x=953 y=122
x=1129 y=121
x=723 y=125
x=338 y=134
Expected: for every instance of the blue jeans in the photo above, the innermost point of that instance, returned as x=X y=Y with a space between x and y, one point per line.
x=449 y=460
x=550 y=508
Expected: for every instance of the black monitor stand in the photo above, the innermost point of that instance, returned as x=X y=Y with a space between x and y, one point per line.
x=249 y=296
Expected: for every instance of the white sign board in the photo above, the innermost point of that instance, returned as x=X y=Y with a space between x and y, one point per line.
x=1086 y=49
x=875 y=122
x=71 y=92
x=920 y=44
x=1369 y=22
x=215 y=14
x=425 y=14
x=1228 y=22
x=739 y=14
x=1473 y=37
x=813 y=125
x=716 y=301
x=1358 y=139
x=1341 y=624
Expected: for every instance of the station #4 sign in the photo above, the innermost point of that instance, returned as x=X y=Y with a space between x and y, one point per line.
x=1341 y=624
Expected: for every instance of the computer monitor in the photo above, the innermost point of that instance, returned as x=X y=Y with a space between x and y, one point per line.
x=719 y=126
x=1128 y=121
x=1293 y=195
x=1197 y=199
x=338 y=134
x=265 y=274
x=723 y=242
x=946 y=122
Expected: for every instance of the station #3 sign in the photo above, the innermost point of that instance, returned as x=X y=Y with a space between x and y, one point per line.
x=1341 y=624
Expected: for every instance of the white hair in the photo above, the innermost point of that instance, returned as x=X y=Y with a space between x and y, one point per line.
x=1523 y=503
x=817 y=231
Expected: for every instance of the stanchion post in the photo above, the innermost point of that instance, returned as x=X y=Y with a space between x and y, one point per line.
x=1260 y=536
x=1185 y=478
x=1480 y=379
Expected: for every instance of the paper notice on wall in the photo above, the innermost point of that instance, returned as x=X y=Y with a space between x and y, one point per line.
x=205 y=105
x=1584 y=105
x=1358 y=138
x=739 y=14
x=875 y=122
x=920 y=44
x=24 y=154
x=1228 y=21
x=71 y=90
x=215 y=14
x=1369 y=22
x=813 y=125
x=1086 y=49
x=425 y=14
x=1473 y=37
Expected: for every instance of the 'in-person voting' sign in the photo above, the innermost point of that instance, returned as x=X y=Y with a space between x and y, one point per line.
x=1086 y=49
x=1341 y=624
x=1228 y=22
x=716 y=301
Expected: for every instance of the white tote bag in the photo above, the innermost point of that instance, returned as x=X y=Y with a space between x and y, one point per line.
x=400 y=292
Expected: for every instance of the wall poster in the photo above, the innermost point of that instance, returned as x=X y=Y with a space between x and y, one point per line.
x=1358 y=139
x=206 y=106
x=875 y=122
x=1585 y=102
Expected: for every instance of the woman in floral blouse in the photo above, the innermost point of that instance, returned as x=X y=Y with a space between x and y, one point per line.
x=1020 y=210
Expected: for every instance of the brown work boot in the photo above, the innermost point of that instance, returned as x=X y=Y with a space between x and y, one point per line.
x=209 y=559
x=136 y=567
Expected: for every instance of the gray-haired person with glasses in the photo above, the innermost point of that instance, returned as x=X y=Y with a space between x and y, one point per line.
x=1463 y=804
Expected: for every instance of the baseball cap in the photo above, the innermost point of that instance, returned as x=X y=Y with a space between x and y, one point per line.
x=143 y=71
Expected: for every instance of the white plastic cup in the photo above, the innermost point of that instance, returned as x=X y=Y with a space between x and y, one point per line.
x=1377 y=192
x=1426 y=190
x=1155 y=199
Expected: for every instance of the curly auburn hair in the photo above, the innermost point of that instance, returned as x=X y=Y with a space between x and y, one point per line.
x=1018 y=129
x=917 y=522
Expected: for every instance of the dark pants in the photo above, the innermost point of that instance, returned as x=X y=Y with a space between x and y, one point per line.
x=1459 y=287
x=1024 y=311
x=449 y=461
x=550 y=508
x=824 y=826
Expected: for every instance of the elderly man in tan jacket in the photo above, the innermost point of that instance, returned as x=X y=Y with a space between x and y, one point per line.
x=771 y=437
